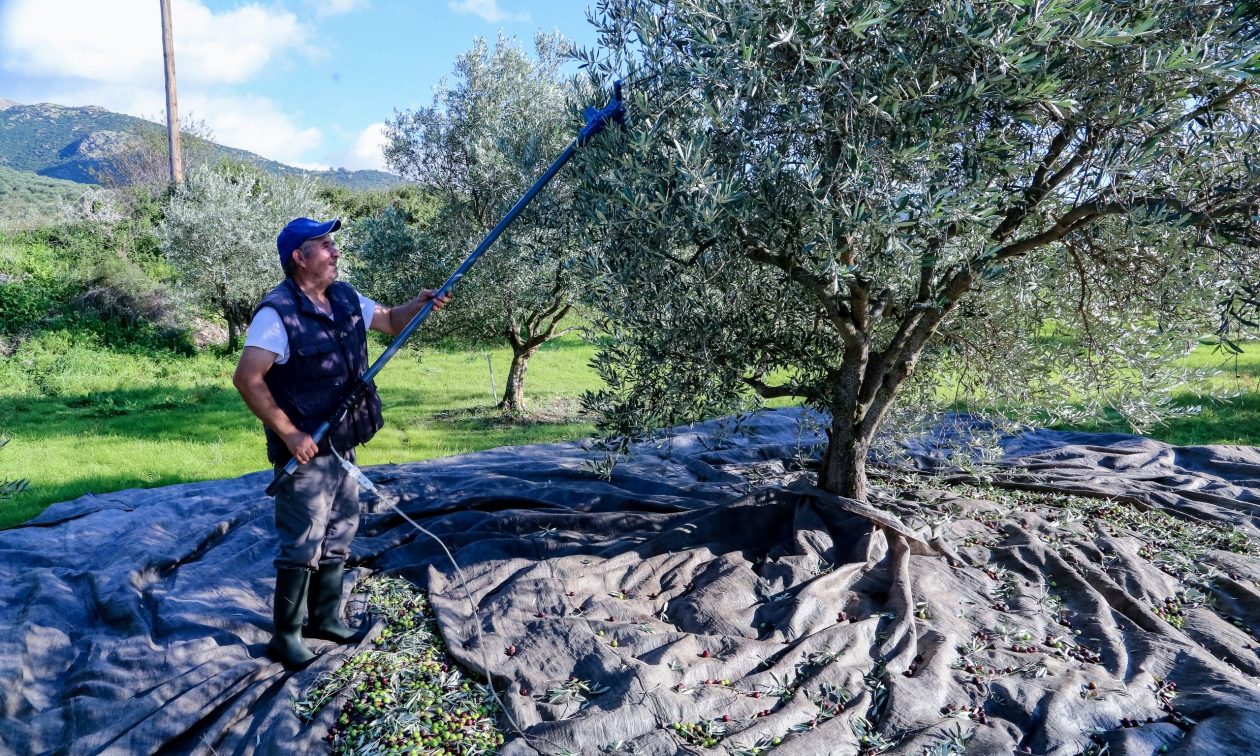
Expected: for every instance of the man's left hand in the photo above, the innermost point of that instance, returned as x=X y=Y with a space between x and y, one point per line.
x=438 y=302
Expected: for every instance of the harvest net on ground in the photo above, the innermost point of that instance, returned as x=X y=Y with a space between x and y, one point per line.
x=1090 y=594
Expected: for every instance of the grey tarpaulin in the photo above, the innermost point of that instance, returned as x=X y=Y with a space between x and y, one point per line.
x=134 y=622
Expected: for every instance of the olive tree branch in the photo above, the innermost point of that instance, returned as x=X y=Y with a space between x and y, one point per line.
x=837 y=312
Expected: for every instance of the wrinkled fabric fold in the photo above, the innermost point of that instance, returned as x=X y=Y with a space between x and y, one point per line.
x=136 y=621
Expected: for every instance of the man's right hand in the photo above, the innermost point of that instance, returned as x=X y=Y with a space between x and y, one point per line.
x=301 y=446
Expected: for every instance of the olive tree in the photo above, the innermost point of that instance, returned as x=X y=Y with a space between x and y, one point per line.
x=219 y=232
x=870 y=204
x=483 y=142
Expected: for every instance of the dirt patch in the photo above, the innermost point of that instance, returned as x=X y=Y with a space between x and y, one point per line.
x=550 y=412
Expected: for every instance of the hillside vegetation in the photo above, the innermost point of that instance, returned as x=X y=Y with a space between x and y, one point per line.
x=28 y=200
x=86 y=418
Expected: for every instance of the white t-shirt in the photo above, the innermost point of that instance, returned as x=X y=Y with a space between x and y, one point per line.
x=266 y=331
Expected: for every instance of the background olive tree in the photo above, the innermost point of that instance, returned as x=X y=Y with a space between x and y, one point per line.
x=219 y=232
x=485 y=139
x=825 y=200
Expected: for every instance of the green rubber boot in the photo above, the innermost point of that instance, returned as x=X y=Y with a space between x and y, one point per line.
x=288 y=608
x=325 y=607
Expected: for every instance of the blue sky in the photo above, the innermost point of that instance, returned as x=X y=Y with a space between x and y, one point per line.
x=306 y=82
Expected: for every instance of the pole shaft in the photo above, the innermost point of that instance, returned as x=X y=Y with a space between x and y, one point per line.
x=172 y=106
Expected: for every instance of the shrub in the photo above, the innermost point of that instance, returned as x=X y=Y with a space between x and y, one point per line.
x=74 y=276
x=125 y=306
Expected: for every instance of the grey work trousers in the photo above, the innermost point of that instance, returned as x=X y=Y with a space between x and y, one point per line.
x=317 y=514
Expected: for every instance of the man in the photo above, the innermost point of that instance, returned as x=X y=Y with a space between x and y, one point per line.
x=306 y=345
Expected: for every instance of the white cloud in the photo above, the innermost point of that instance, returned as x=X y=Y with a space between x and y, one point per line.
x=234 y=46
x=365 y=153
x=119 y=42
x=110 y=54
x=256 y=124
x=489 y=10
x=326 y=8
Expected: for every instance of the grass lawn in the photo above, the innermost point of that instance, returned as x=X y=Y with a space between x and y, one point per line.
x=1235 y=420
x=83 y=418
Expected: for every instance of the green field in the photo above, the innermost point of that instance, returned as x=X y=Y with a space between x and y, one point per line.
x=1228 y=406
x=85 y=418
x=28 y=200
x=82 y=418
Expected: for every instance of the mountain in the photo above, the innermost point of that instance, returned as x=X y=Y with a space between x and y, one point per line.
x=74 y=143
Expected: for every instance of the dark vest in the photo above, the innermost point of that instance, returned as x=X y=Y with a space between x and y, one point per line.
x=326 y=355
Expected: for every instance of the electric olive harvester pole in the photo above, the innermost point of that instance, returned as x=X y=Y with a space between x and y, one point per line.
x=596 y=120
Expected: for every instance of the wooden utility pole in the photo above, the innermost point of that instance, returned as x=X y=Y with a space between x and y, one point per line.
x=172 y=108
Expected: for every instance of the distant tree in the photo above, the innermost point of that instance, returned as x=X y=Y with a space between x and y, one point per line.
x=393 y=253
x=219 y=232
x=141 y=163
x=353 y=205
x=486 y=138
x=135 y=181
x=815 y=199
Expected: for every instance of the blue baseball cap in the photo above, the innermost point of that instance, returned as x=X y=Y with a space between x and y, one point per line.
x=299 y=230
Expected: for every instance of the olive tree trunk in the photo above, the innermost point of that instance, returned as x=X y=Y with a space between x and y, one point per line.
x=514 y=393
x=848 y=439
x=860 y=393
x=526 y=337
x=237 y=316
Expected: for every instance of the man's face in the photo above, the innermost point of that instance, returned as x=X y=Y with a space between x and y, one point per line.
x=317 y=258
